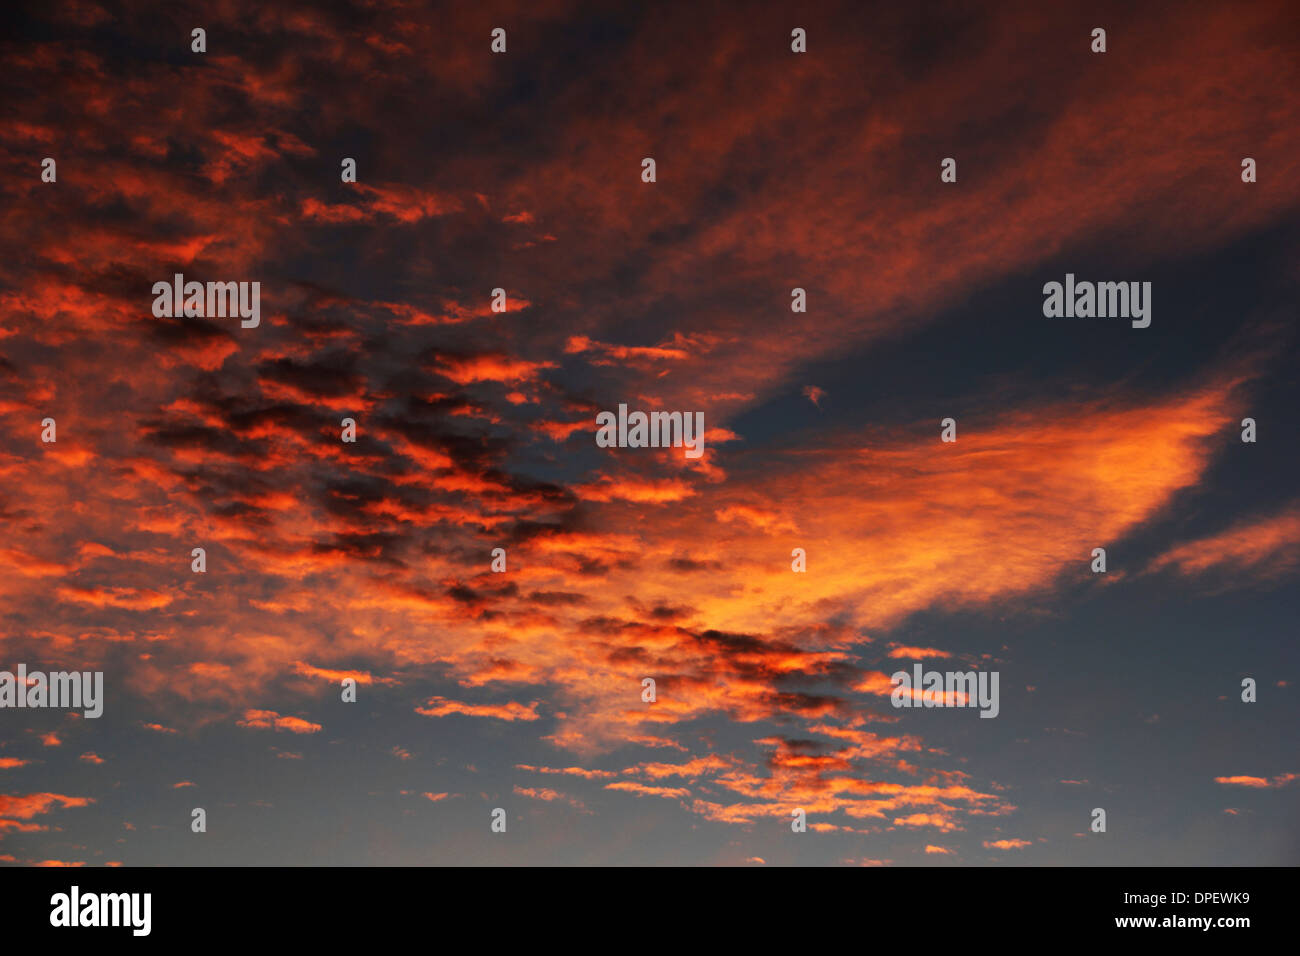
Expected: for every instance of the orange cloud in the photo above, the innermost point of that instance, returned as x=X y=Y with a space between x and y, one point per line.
x=26 y=806
x=571 y=771
x=1265 y=548
x=605 y=585
x=1281 y=780
x=441 y=707
x=937 y=820
x=337 y=676
x=917 y=653
x=548 y=795
x=270 y=720
x=671 y=793
x=491 y=368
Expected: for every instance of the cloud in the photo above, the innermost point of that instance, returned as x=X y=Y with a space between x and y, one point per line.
x=1251 y=550
x=670 y=793
x=916 y=653
x=571 y=771
x=338 y=676
x=679 y=349
x=490 y=367
x=1260 y=783
x=26 y=806
x=442 y=707
x=330 y=560
x=547 y=795
x=270 y=720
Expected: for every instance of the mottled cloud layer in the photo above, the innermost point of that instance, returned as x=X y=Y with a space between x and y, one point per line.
x=371 y=561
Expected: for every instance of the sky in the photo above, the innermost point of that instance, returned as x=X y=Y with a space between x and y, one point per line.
x=521 y=690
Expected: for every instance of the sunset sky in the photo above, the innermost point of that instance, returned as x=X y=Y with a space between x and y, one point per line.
x=522 y=690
